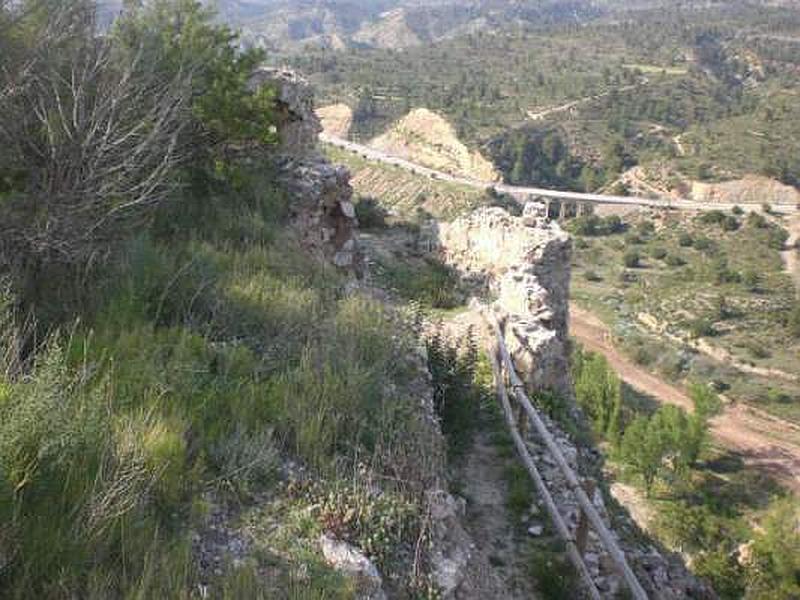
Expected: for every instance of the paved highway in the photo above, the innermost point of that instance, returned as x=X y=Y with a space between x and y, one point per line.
x=523 y=192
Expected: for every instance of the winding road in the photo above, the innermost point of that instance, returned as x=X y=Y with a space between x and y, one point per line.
x=374 y=155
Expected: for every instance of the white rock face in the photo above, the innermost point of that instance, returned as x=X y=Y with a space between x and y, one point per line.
x=525 y=262
x=452 y=546
x=350 y=561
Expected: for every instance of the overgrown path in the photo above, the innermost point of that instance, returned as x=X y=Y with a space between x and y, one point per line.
x=497 y=569
x=763 y=441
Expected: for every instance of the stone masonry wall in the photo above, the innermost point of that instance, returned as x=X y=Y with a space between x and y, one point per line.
x=322 y=209
x=525 y=264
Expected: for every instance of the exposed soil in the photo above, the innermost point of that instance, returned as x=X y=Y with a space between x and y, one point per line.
x=762 y=441
x=428 y=139
x=336 y=119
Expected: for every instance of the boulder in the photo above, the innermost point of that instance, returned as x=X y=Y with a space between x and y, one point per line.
x=351 y=562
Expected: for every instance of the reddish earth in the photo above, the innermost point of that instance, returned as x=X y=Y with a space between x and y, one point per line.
x=763 y=441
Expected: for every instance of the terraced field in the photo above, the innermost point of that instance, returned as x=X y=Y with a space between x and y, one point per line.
x=405 y=195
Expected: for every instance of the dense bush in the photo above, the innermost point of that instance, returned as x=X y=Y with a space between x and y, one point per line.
x=632 y=259
x=598 y=391
x=370 y=214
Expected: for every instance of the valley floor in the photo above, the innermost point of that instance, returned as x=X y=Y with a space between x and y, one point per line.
x=763 y=441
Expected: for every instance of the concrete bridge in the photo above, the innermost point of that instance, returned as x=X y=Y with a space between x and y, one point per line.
x=557 y=209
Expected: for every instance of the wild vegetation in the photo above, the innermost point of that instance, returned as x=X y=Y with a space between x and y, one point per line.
x=706 y=89
x=706 y=505
x=688 y=302
x=169 y=352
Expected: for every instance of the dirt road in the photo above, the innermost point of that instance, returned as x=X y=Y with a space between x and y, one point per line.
x=761 y=440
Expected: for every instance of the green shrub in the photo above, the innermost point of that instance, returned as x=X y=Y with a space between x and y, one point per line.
x=632 y=259
x=757 y=220
x=777 y=238
x=702 y=327
x=675 y=260
x=685 y=240
x=793 y=321
x=730 y=223
x=591 y=275
x=598 y=392
x=712 y=217
x=370 y=214
x=658 y=252
x=703 y=244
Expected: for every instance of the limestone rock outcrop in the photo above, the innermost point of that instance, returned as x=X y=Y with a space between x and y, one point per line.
x=322 y=209
x=351 y=562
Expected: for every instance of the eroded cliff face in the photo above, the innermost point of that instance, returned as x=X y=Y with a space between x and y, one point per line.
x=322 y=210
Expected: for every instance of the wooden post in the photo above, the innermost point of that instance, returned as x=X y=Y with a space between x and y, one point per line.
x=541 y=487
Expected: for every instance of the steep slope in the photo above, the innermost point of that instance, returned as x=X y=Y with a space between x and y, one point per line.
x=426 y=138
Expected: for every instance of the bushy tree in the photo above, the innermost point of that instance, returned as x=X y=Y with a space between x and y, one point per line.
x=182 y=36
x=598 y=391
x=774 y=571
x=642 y=451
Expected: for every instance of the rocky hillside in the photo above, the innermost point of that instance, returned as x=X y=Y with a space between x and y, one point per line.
x=426 y=138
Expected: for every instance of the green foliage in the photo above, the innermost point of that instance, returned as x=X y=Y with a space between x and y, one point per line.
x=658 y=252
x=701 y=327
x=774 y=571
x=459 y=386
x=209 y=51
x=666 y=444
x=529 y=156
x=555 y=576
x=431 y=283
x=793 y=321
x=592 y=225
x=206 y=356
x=632 y=259
x=370 y=214
x=723 y=571
x=598 y=391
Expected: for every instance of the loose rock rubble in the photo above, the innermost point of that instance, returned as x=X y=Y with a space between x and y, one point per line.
x=349 y=560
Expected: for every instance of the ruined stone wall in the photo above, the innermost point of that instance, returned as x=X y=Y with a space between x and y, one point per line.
x=525 y=262
x=321 y=209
